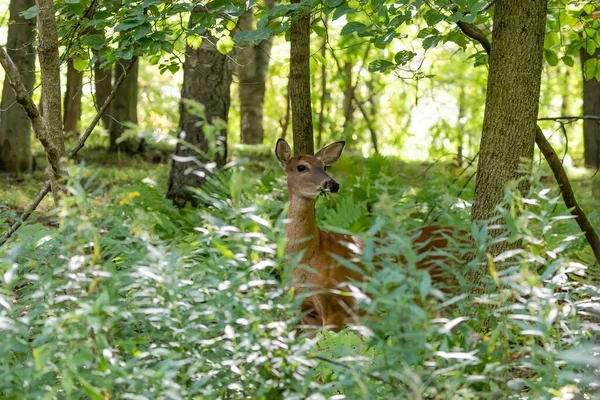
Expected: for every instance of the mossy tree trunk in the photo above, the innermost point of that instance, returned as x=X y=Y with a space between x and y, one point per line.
x=511 y=108
x=207 y=76
x=15 y=125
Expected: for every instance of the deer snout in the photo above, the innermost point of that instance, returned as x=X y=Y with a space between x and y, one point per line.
x=331 y=186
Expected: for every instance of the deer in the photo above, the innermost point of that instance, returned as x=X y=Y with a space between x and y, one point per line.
x=323 y=306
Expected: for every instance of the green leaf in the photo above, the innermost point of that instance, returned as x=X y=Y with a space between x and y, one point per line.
x=129 y=24
x=319 y=30
x=403 y=57
x=334 y=3
x=142 y=31
x=72 y=1
x=30 y=13
x=80 y=63
x=154 y=60
x=225 y=44
x=551 y=57
x=344 y=9
x=256 y=36
x=590 y=47
x=353 y=27
x=91 y=390
x=431 y=41
x=568 y=60
x=380 y=65
x=194 y=41
x=425 y=285
x=589 y=68
x=94 y=41
x=432 y=17
x=66 y=381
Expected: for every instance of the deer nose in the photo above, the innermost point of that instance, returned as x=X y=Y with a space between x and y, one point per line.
x=332 y=186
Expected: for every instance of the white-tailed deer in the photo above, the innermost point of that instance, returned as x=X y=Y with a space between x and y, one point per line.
x=306 y=179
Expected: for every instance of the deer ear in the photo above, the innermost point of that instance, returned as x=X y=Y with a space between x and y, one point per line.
x=283 y=152
x=331 y=153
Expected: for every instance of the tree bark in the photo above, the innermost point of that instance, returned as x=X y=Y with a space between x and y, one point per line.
x=50 y=72
x=302 y=124
x=511 y=108
x=348 y=96
x=207 y=76
x=324 y=94
x=124 y=110
x=15 y=125
x=72 y=100
x=591 y=106
x=252 y=76
x=102 y=87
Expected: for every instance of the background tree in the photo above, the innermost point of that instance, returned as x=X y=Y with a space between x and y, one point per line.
x=207 y=75
x=15 y=125
x=253 y=65
x=72 y=100
x=591 y=107
x=300 y=98
x=124 y=110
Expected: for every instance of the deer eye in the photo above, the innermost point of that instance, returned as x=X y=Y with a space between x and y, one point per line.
x=302 y=168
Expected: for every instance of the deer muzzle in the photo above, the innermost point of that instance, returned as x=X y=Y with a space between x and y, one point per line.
x=331 y=186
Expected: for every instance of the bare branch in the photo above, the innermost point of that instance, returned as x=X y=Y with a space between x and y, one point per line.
x=80 y=143
x=475 y=33
x=567 y=192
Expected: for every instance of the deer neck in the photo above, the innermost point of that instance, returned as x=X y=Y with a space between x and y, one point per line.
x=302 y=231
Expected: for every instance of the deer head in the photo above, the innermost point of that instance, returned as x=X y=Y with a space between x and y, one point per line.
x=306 y=176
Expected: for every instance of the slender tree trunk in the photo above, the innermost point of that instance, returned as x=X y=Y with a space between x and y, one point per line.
x=460 y=126
x=302 y=124
x=285 y=121
x=102 y=87
x=511 y=108
x=324 y=93
x=51 y=99
x=72 y=100
x=591 y=106
x=207 y=76
x=348 y=95
x=252 y=76
x=124 y=110
x=15 y=125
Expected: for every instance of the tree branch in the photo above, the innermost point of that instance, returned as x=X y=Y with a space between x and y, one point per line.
x=475 y=33
x=80 y=143
x=570 y=118
x=567 y=192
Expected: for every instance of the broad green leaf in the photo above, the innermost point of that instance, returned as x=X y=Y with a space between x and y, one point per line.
x=551 y=57
x=432 y=17
x=380 y=65
x=589 y=68
x=94 y=41
x=90 y=389
x=66 y=381
x=334 y=3
x=80 y=63
x=431 y=41
x=590 y=47
x=225 y=44
x=30 y=13
x=142 y=31
x=568 y=60
x=353 y=27
x=194 y=41
x=403 y=57
x=256 y=36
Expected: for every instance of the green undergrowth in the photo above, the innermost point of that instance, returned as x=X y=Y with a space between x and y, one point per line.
x=126 y=296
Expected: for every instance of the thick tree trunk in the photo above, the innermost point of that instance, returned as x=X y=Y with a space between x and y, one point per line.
x=124 y=110
x=207 y=76
x=51 y=99
x=72 y=100
x=591 y=106
x=302 y=124
x=15 y=125
x=511 y=108
x=252 y=75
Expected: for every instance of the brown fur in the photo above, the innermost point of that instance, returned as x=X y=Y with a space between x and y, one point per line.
x=325 y=306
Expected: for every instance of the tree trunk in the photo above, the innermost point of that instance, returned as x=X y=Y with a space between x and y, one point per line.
x=348 y=96
x=15 y=125
x=591 y=106
x=302 y=124
x=324 y=93
x=252 y=75
x=124 y=110
x=207 y=76
x=513 y=90
x=51 y=99
x=72 y=100
x=102 y=87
